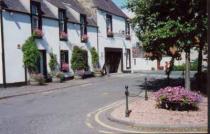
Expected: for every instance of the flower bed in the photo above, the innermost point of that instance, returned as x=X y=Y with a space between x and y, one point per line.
x=177 y=98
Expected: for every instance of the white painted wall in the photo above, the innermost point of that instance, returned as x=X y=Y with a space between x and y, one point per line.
x=1 y=72
x=17 y=29
x=116 y=41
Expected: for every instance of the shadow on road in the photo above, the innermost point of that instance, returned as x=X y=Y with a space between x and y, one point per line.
x=155 y=84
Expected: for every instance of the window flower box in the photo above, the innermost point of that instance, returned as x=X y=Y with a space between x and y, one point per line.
x=84 y=38
x=128 y=37
x=38 y=33
x=63 y=36
x=65 y=67
x=110 y=33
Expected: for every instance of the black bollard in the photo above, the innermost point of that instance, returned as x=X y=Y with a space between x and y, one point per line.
x=126 y=99
x=146 y=96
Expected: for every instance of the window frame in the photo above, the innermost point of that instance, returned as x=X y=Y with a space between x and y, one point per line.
x=109 y=20
x=83 y=26
x=128 y=57
x=37 y=15
x=62 y=21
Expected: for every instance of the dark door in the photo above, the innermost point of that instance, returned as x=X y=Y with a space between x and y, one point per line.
x=42 y=63
x=113 y=58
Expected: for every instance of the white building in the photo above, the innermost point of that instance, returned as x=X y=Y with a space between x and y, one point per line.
x=114 y=38
x=60 y=25
x=52 y=18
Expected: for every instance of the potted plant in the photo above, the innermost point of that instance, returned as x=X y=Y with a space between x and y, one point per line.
x=37 y=79
x=78 y=62
x=30 y=58
x=59 y=77
x=95 y=62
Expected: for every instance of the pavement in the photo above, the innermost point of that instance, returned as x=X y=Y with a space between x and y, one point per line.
x=73 y=107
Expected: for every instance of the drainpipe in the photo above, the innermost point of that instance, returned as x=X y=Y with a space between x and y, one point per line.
x=2 y=43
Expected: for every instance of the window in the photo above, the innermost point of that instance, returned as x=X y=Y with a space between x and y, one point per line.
x=109 y=27
x=64 y=60
x=36 y=19
x=128 y=58
x=62 y=24
x=83 y=21
x=127 y=30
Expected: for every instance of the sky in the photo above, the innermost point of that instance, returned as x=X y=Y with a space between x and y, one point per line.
x=120 y=3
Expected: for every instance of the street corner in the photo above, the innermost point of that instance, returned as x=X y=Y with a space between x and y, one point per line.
x=100 y=120
x=146 y=118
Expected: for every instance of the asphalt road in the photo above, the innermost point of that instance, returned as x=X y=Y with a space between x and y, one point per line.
x=64 y=111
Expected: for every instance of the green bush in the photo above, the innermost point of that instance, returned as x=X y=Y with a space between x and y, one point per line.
x=53 y=62
x=193 y=66
x=95 y=57
x=77 y=60
x=31 y=54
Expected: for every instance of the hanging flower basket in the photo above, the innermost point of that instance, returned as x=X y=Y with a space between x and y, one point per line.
x=110 y=33
x=63 y=36
x=128 y=37
x=84 y=38
x=38 y=33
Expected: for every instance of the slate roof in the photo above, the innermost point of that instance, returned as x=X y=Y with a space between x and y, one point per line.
x=16 y=5
x=109 y=6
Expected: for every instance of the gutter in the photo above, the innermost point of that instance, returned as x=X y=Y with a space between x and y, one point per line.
x=3 y=52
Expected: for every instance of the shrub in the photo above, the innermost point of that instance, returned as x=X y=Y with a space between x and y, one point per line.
x=193 y=66
x=39 y=78
x=95 y=57
x=77 y=61
x=60 y=75
x=177 y=98
x=53 y=62
x=30 y=54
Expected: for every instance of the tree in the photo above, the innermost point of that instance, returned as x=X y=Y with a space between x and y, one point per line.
x=30 y=54
x=167 y=28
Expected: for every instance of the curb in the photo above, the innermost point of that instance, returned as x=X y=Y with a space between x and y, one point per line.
x=157 y=127
x=40 y=91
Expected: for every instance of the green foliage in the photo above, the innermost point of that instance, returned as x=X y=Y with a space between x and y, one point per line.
x=31 y=54
x=95 y=57
x=53 y=62
x=160 y=24
x=77 y=61
x=193 y=66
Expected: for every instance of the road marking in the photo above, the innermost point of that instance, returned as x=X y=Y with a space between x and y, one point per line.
x=107 y=126
x=105 y=132
x=89 y=125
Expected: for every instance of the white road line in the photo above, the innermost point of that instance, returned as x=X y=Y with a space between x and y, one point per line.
x=105 y=132
x=89 y=125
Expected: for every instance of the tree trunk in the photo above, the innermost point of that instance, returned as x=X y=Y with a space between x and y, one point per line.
x=200 y=59
x=187 y=70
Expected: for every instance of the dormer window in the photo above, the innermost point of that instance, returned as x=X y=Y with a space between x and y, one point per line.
x=109 y=27
x=36 y=19
x=63 y=33
x=127 y=30
x=83 y=21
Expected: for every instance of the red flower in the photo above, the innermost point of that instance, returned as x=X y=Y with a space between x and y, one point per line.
x=65 y=67
x=63 y=35
x=84 y=38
